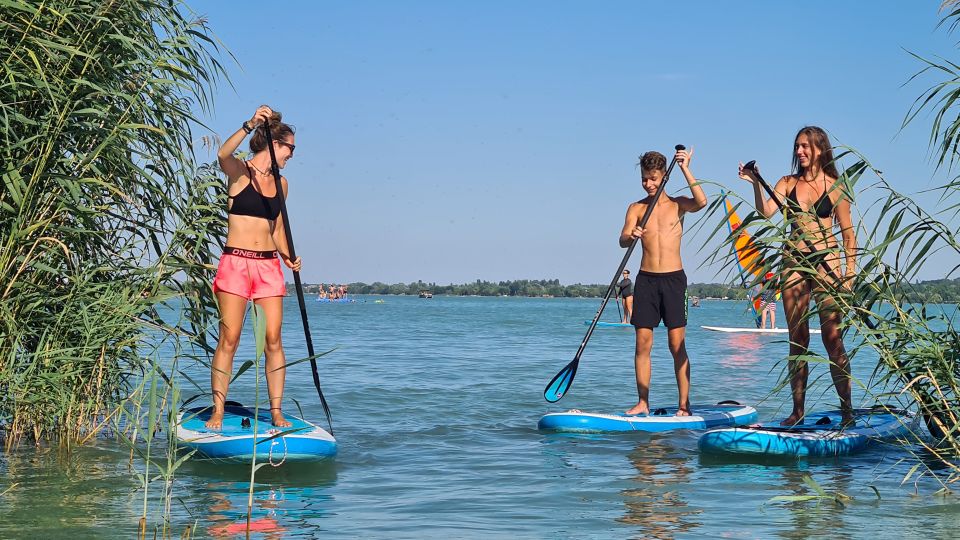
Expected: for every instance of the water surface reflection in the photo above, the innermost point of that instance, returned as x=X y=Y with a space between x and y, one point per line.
x=654 y=503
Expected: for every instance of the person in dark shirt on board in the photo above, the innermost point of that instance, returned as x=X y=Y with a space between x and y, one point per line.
x=625 y=288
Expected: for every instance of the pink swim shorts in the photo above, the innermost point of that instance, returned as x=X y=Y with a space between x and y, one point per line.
x=250 y=274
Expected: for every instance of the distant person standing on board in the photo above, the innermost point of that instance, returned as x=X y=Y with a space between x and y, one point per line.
x=249 y=268
x=625 y=288
x=660 y=289
x=768 y=302
x=817 y=202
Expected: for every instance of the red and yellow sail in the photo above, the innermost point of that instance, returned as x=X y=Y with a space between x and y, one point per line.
x=748 y=256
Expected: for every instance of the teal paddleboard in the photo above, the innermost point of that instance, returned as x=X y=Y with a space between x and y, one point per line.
x=821 y=435
x=235 y=440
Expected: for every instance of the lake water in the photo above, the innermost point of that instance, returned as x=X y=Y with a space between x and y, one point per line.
x=435 y=404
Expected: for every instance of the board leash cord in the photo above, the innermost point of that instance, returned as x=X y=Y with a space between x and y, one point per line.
x=273 y=445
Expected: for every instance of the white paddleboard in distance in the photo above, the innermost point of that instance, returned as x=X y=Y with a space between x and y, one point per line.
x=738 y=330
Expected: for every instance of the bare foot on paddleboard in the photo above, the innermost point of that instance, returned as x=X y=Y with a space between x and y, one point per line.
x=793 y=420
x=278 y=419
x=639 y=408
x=215 y=421
x=683 y=412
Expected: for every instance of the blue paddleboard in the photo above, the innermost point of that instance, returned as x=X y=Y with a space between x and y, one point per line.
x=820 y=436
x=610 y=324
x=664 y=419
x=302 y=441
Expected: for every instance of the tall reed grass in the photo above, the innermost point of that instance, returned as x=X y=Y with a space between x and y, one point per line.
x=104 y=212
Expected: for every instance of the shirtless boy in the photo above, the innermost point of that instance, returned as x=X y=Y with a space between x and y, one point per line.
x=660 y=287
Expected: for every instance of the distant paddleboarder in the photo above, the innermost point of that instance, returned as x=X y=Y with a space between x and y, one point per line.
x=817 y=202
x=660 y=288
x=625 y=288
x=249 y=268
x=768 y=302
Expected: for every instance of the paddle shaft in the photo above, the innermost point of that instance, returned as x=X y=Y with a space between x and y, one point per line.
x=626 y=256
x=296 y=275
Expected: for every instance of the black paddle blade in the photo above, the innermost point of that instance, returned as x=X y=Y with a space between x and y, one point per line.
x=561 y=382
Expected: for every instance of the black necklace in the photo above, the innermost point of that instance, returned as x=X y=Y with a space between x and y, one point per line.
x=258 y=170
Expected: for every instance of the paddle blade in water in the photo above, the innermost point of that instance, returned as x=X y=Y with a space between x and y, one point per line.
x=561 y=382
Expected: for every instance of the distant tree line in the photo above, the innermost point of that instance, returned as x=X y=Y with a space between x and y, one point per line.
x=522 y=287
x=936 y=291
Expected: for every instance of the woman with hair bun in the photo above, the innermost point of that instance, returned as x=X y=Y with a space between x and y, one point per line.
x=249 y=269
x=816 y=202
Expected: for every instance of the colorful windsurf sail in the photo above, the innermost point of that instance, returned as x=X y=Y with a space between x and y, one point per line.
x=748 y=257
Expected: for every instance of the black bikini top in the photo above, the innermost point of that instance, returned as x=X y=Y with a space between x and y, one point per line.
x=823 y=208
x=250 y=202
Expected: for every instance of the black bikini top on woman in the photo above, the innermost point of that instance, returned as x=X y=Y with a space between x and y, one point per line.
x=250 y=202
x=823 y=208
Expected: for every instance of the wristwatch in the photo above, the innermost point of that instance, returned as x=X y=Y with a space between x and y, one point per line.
x=247 y=127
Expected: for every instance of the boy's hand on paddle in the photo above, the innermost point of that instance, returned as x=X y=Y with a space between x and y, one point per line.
x=636 y=233
x=293 y=265
x=747 y=174
x=683 y=158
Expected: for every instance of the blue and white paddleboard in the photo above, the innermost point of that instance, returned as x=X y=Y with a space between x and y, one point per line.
x=702 y=417
x=820 y=435
x=303 y=441
x=610 y=324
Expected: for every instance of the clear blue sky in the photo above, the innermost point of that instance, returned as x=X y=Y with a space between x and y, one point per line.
x=453 y=141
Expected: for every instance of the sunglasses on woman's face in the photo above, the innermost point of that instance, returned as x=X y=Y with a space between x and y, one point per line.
x=292 y=147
